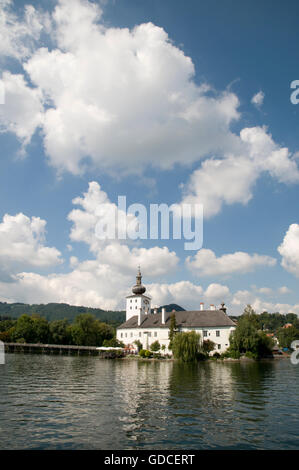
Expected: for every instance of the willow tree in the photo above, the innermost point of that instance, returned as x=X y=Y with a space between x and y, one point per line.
x=186 y=346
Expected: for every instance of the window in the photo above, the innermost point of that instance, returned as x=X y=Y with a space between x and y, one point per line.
x=130 y=308
x=131 y=300
x=155 y=334
x=139 y=334
x=131 y=335
x=219 y=346
x=121 y=335
x=149 y=334
x=125 y=334
x=205 y=333
x=135 y=300
x=217 y=333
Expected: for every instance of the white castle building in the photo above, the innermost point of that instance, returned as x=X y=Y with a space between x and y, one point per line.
x=147 y=325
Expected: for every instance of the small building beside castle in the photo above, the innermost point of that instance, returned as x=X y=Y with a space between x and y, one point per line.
x=147 y=325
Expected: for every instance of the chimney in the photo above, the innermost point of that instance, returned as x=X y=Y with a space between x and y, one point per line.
x=155 y=310
x=223 y=307
x=201 y=305
x=212 y=307
x=139 y=316
x=163 y=317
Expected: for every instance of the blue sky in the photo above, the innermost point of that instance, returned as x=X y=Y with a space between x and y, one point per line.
x=155 y=101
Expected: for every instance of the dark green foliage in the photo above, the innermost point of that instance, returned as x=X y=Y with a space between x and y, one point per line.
x=208 y=345
x=247 y=337
x=138 y=344
x=216 y=355
x=173 y=329
x=186 y=346
x=59 y=311
x=113 y=343
x=286 y=336
x=85 y=331
x=88 y=331
x=60 y=332
x=145 y=353
x=155 y=346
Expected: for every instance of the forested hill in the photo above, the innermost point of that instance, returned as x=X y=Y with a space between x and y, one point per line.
x=55 y=311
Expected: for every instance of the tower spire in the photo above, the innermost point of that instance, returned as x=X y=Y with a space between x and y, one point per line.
x=138 y=288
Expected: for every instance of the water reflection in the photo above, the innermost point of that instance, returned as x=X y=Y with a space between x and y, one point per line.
x=84 y=403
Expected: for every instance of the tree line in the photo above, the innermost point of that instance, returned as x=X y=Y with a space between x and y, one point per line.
x=86 y=330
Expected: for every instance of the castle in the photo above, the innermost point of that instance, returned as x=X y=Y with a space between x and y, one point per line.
x=147 y=325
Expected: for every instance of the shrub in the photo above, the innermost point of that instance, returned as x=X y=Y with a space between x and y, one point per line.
x=251 y=355
x=216 y=355
x=145 y=353
x=155 y=346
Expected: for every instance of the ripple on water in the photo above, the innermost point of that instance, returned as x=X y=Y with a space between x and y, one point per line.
x=81 y=402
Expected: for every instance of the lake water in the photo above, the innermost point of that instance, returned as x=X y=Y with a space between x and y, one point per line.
x=62 y=402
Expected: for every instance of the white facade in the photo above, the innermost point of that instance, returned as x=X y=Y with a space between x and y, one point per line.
x=147 y=336
x=137 y=303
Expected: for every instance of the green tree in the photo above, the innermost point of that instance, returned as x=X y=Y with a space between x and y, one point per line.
x=285 y=336
x=24 y=329
x=186 y=346
x=208 y=346
x=173 y=329
x=41 y=329
x=155 y=346
x=60 y=332
x=113 y=343
x=88 y=331
x=248 y=338
x=138 y=344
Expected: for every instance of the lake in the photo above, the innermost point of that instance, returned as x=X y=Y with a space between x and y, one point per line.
x=68 y=402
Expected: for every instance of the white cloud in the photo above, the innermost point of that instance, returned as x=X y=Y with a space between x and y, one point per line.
x=22 y=245
x=284 y=290
x=22 y=111
x=19 y=35
x=258 y=99
x=97 y=208
x=231 y=180
x=242 y=298
x=289 y=250
x=217 y=293
x=184 y=293
x=124 y=98
x=206 y=263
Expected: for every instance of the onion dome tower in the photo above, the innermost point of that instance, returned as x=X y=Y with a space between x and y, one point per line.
x=138 y=289
x=137 y=302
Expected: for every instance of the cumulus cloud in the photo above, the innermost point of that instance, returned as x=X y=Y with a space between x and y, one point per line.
x=258 y=99
x=18 y=36
x=289 y=250
x=89 y=283
x=22 y=245
x=231 y=179
x=206 y=263
x=22 y=112
x=124 y=98
x=244 y=297
x=96 y=208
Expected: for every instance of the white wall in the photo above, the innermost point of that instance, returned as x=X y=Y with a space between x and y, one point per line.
x=135 y=303
x=150 y=335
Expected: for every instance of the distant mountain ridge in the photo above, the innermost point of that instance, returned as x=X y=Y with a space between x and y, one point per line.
x=59 y=311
